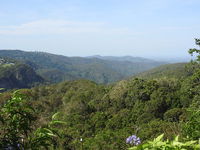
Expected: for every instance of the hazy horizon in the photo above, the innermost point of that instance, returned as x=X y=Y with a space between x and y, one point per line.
x=146 y=28
x=156 y=58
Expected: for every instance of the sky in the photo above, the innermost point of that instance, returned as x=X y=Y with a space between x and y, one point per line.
x=145 y=28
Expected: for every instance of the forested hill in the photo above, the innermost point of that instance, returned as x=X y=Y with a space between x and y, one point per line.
x=14 y=74
x=177 y=70
x=105 y=115
x=56 y=68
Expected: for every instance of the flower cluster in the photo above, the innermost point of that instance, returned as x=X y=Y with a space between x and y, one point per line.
x=12 y=147
x=133 y=140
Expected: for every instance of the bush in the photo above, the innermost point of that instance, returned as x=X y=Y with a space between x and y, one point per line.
x=173 y=115
x=192 y=126
x=159 y=144
x=17 y=128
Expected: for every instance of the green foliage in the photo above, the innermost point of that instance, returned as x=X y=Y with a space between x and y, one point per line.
x=174 y=115
x=192 y=126
x=16 y=120
x=190 y=89
x=18 y=76
x=105 y=115
x=160 y=144
x=17 y=129
x=194 y=50
x=45 y=137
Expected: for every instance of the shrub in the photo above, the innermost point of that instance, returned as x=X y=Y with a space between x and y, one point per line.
x=160 y=144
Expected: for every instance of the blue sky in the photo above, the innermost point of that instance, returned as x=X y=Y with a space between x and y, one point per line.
x=149 y=28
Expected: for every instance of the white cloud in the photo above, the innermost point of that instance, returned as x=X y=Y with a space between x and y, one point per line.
x=58 y=27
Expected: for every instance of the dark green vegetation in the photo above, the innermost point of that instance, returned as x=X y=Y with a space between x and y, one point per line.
x=56 y=68
x=105 y=115
x=177 y=70
x=17 y=128
x=16 y=75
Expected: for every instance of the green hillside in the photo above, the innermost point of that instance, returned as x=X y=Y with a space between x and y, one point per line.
x=56 y=68
x=16 y=75
x=91 y=116
x=104 y=116
x=177 y=70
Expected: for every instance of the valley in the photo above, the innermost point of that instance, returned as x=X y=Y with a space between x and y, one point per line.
x=103 y=115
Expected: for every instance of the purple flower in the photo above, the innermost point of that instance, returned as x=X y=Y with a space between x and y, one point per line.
x=18 y=145
x=133 y=140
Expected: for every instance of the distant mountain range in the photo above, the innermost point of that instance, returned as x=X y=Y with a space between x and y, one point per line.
x=55 y=68
x=124 y=58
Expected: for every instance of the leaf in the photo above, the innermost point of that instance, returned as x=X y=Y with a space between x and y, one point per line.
x=176 y=138
x=57 y=122
x=50 y=134
x=159 y=138
x=47 y=130
x=55 y=115
x=190 y=143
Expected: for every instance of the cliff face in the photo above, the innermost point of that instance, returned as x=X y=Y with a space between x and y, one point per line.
x=18 y=76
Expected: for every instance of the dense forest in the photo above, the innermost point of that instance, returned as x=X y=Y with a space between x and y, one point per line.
x=94 y=116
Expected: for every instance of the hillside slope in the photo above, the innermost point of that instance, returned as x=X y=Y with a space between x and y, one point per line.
x=16 y=75
x=177 y=70
x=105 y=115
x=109 y=114
x=56 y=68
